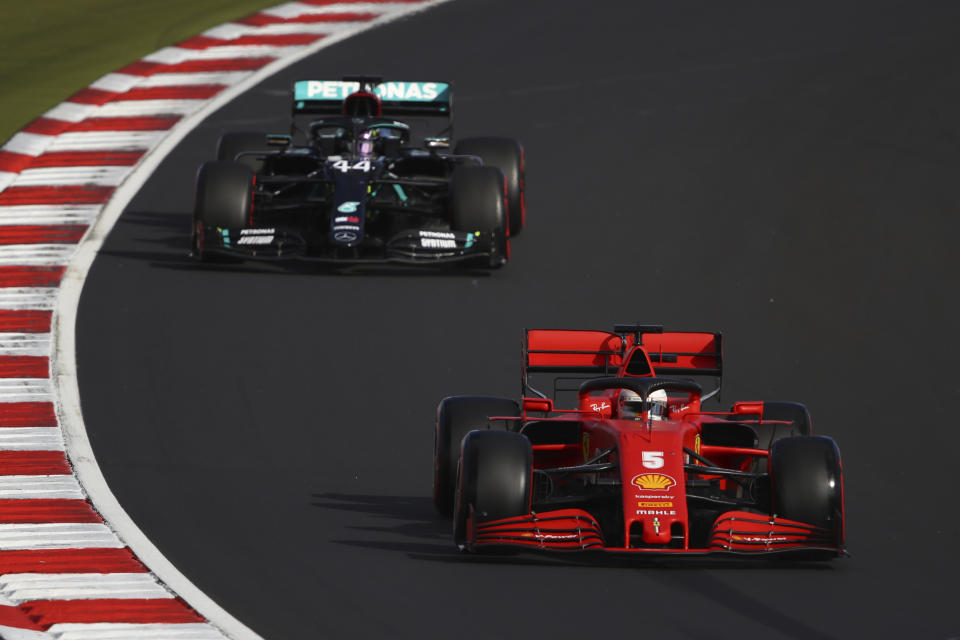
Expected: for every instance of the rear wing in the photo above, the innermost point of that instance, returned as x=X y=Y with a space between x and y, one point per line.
x=690 y=353
x=585 y=353
x=572 y=351
x=326 y=97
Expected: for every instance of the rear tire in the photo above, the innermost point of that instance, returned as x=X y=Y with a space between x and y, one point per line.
x=806 y=482
x=232 y=144
x=456 y=417
x=224 y=200
x=477 y=204
x=494 y=481
x=507 y=155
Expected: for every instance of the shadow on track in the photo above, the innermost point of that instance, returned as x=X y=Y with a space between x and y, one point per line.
x=172 y=232
x=404 y=516
x=415 y=517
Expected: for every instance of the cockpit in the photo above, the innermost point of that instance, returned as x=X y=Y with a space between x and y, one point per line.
x=359 y=137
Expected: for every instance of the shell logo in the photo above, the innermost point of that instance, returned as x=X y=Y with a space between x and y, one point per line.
x=654 y=481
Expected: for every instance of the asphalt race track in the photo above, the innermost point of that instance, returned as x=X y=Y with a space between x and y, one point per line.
x=785 y=174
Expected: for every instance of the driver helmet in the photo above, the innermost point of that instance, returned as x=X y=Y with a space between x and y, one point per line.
x=631 y=405
x=375 y=140
x=367 y=142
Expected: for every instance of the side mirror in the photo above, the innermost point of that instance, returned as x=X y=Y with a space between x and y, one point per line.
x=278 y=140
x=750 y=408
x=544 y=405
x=437 y=143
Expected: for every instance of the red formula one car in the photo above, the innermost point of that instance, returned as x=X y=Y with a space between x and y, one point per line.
x=635 y=464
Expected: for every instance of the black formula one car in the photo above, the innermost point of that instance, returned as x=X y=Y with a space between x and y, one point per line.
x=358 y=190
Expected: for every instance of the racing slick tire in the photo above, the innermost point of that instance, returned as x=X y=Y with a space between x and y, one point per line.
x=793 y=412
x=507 y=155
x=224 y=199
x=494 y=480
x=477 y=203
x=234 y=143
x=456 y=417
x=806 y=483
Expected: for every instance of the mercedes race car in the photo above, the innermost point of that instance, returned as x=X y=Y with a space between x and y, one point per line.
x=634 y=463
x=358 y=190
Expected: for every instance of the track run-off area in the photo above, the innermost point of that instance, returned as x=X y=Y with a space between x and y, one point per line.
x=783 y=174
x=72 y=563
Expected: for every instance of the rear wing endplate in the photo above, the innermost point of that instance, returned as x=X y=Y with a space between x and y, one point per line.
x=397 y=98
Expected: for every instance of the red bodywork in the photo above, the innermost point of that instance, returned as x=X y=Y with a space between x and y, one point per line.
x=651 y=456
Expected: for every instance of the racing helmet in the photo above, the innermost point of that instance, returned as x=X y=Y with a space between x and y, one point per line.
x=631 y=405
x=378 y=140
x=367 y=142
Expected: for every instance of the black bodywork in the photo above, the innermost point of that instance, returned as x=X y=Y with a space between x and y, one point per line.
x=354 y=192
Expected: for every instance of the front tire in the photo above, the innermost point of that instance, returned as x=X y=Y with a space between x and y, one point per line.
x=793 y=412
x=806 y=482
x=224 y=200
x=456 y=417
x=494 y=481
x=232 y=144
x=507 y=155
x=477 y=203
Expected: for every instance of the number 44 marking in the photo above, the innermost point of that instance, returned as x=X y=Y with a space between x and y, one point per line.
x=343 y=165
x=652 y=459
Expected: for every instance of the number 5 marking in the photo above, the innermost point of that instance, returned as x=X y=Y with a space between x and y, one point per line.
x=652 y=459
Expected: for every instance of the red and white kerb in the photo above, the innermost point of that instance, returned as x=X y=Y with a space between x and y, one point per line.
x=65 y=571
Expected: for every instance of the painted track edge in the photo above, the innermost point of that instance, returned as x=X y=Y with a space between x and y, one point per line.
x=63 y=365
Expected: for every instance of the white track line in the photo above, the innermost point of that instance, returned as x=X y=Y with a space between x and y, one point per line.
x=131 y=108
x=109 y=176
x=293 y=9
x=24 y=344
x=119 y=631
x=25 y=390
x=122 y=82
x=176 y=55
x=40 y=298
x=49 y=214
x=58 y=535
x=116 y=82
x=107 y=140
x=70 y=112
x=23 y=587
x=35 y=254
x=330 y=29
x=31 y=144
x=12 y=633
x=40 y=488
x=31 y=439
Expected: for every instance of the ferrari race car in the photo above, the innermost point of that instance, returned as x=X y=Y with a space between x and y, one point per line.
x=358 y=190
x=635 y=465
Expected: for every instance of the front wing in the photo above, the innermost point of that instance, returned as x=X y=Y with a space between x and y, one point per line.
x=414 y=246
x=735 y=532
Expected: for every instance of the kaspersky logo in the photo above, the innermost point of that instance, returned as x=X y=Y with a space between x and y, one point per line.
x=654 y=481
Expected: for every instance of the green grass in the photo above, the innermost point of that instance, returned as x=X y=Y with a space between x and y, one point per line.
x=50 y=49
